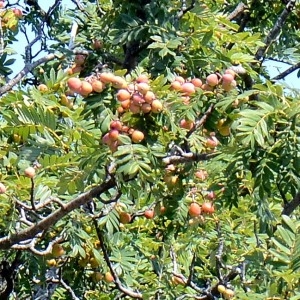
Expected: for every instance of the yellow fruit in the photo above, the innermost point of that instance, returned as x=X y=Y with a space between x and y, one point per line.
x=228 y=294
x=221 y=288
x=93 y=262
x=108 y=277
x=97 y=276
x=51 y=262
x=57 y=250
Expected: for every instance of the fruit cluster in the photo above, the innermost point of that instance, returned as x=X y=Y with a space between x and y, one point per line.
x=227 y=293
x=10 y=17
x=77 y=67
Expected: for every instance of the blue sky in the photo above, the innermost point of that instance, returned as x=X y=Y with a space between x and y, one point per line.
x=274 y=67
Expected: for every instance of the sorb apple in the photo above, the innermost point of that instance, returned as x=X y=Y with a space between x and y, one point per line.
x=194 y=209
x=29 y=172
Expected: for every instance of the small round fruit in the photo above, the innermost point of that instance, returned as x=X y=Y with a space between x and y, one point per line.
x=156 y=106
x=57 y=250
x=212 y=142
x=142 y=78
x=212 y=80
x=18 y=13
x=86 y=88
x=149 y=214
x=51 y=262
x=119 y=82
x=2 y=4
x=176 y=86
x=97 y=276
x=208 y=208
x=230 y=71
x=149 y=97
x=97 y=44
x=93 y=262
x=137 y=136
x=194 y=209
x=42 y=88
x=116 y=124
x=171 y=180
x=97 y=86
x=180 y=79
x=108 y=277
x=106 y=77
x=221 y=288
x=29 y=172
x=123 y=95
x=186 y=124
x=79 y=59
x=177 y=280
x=146 y=108
x=143 y=87
x=2 y=188
x=197 y=82
x=113 y=135
x=227 y=78
x=74 y=84
x=188 y=88
x=125 y=217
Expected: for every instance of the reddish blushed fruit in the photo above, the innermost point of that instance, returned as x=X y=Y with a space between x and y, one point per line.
x=2 y=188
x=17 y=12
x=208 y=208
x=106 y=139
x=146 y=108
x=135 y=109
x=227 y=79
x=74 y=84
x=211 y=195
x=212 y=80
x=116 y=124
x=113 y=134
x=156 y=106
x=194 y=209
x=97 y=86
x=212 y=142
x=137 y=136
x=137 y=99
x=197 y=82
x=29 y=172
x=57 y=250
x=142 y=78
x=186 y=124
x=106 y=77
x=149 y=214
x=2 y=4
x=230 y=71
x=126 y=104
x=188 y=88
x=123 y=95
x=86 y=88
x=97 y=44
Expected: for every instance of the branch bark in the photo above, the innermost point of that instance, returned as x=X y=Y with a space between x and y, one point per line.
x=31 y=232
x=287 y=72
x=292 y=205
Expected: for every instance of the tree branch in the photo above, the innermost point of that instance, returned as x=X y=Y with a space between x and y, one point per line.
x=292 y=205
x=274 y=33
x=31 y=232
x=287 y=72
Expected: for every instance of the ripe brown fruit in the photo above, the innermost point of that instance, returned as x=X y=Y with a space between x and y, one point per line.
x=119 y=82
x=156 y=106
x=208 y=208
x=74 y=84
x=197 y=82
x=57 y=250
x=97 y=276
x=29 y=172
x=2 y=188
x=176 y=86
x=149 y=214
x=106 y=77
x=108 y=277
x=123 y=95
x=137 y=136
x=97 y=86
x=212 y=80
x=86 y=88
x=194 y=209
x=97 y=44
x=125 y=217
x=79 y=59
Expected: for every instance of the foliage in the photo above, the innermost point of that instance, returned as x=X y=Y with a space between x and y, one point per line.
x=106 y=212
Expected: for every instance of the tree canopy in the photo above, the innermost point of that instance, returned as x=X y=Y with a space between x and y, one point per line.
x=146 y=152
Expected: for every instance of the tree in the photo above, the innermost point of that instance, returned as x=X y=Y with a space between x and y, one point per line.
x=146 y=152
